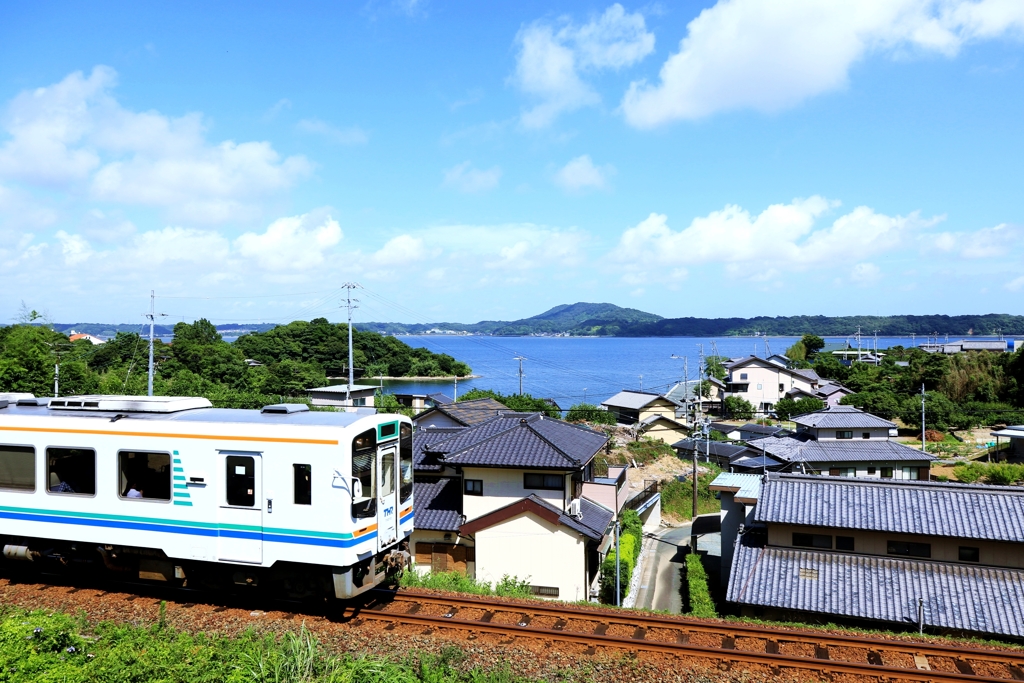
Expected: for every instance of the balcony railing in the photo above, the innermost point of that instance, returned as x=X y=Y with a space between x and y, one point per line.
x=637 y=501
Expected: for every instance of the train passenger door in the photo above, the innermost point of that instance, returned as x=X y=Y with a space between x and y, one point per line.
x=387 y=492
x=240 y=515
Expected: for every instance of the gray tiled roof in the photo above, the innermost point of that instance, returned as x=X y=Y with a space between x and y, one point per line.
x=830 y=388
x=422 y=439
x=594 y=520
x=994 y=513
x=755 y=461
x=956 y=596
x=752 y=428
x=807 y=373
x=799 y=448
x=719 y=449
x=724 y=428
x=438 y=504
x=528 y=440
x=634 y=400
x=470 y=412
x=440 y=398
x=842 y=417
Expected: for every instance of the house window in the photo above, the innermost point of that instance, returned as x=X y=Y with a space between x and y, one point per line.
x=842 y=472
x=886 y=473
x=545 y=591
x=871 y=470
x=303 y=477
x=910 y=472
x=743 y=375
x=844 y=543
x=968 y=554
x=359 y=401
x=18 y=468
x=812 y=541
x=544 y=482
x=144 y=475
x=909 y=549
x=866 y=435
x=474 y=487
x=759 y=387
x=782 y=387
x=737 y=388
x=71 y=470
x=844 y=434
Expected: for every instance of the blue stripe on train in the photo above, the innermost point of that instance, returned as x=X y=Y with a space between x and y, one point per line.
x=190 y=531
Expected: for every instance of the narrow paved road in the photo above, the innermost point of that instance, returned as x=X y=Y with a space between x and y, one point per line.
x=660 y=583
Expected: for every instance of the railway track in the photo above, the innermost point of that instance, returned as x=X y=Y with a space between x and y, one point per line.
x=776 y=648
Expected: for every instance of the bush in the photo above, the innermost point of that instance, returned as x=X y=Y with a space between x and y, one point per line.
x=587 y=412
x=457 y=582
x=968 y=473
x=1004 y=474
x=630 y=543
x=738 y=408
x=701 y=604
x=648 y=450
x=677 y=496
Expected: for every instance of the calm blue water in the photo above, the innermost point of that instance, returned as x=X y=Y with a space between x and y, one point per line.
x=571 y=369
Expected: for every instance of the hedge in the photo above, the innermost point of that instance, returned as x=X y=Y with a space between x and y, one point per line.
x=701 y=604
x=629 y=553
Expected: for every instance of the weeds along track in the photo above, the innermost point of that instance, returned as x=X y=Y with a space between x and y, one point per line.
x=777 y=648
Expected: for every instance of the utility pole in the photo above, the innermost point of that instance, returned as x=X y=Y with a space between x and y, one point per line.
x=700 y=386
x=922 y=420
x=618 y=593
x=350 y=304
x=520 y=359
x=456 y=397
x=584 y=395
x=56 y=378
x=152 y=317
x=641 y=382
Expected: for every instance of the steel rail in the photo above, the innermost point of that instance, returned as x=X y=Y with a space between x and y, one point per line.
x=721 y=628
x=772 y=661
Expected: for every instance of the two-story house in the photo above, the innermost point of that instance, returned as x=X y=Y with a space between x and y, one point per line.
x=763 y=382
x=459 y=413
x=844 y=441
x=630 y=406
x=941 y=555
x=507 y=497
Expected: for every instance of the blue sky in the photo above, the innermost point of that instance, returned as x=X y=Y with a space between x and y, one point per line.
x=468 y=161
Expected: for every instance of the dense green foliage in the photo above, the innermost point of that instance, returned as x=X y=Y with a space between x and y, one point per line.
x=701 y=604
x=805 y=349
x=630 y=542
x=961 y=391
x=42 y=647
x=677 y=496
x=648 y=449
x=523 y=403
x=199 y=362
x=738 y=408
x=1001 y=474
x=457 y=582
x=588 y=412
x=787 y=407
x=825 y=326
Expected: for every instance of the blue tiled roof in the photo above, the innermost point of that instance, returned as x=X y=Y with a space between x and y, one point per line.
x=438 y=504
x=518 y=440
x=421 y=441
x=801 y=448
x=956 y=596
x=994 y=513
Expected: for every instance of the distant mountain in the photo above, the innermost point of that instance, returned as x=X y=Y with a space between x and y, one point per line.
x=568 y=319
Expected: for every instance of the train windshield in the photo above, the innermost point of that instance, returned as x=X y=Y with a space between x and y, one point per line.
x=364 y=489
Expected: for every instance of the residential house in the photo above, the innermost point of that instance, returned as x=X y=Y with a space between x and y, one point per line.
x=751 y=431
x=663 y=428
x=731 y=457
x=829 y=393
x=630 y=406
x=846 y=442
x=968 y=345
x=727 y=430
x=941 y=555
x=460 y=414
x=340 y=395
x=95 y=341
x=422 y=401
x=685 y=394
x=1014 y=434
x=509 y=495
x=763 y=382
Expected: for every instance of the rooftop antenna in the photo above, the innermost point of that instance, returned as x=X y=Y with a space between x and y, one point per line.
x=350 y=304
x=152 y=318
x=521 y=359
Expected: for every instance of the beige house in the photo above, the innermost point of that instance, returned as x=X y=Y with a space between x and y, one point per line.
x=509 y=496
x=764 y=382
x=459 y=414
x=939 y=555
x=662 y=428
x=341 y=396
x=630 y=407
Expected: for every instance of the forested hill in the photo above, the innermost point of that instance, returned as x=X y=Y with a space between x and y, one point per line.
x=826 y=326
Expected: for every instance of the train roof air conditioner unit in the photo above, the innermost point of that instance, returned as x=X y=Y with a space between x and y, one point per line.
x=129 y=404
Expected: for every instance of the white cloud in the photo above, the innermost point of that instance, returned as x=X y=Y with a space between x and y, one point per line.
x=756 y=247
x=291 y=243
x=865 y=274
x=510 y=247
x=174 y=245
x=74 y=134
x=770 y=56
x=279 y=106
x=402 y=250
x=984 y=243
x=550 y=60
x=353 y=135
x=464 y=178
x=75 y=248
x=581 y=174
x=1015 y=285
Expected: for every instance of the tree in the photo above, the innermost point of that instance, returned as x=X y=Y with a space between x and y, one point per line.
x=524 y=403
x=787 y=407
x=797 y=352
x=716 y=367
x=812 y=344
x=587 y=412
x=940 y=412
x=738 y=408
x=882 y=403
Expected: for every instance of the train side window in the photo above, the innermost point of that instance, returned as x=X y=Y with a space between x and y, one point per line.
x=143 y=475
x=241 y=480
x=17 y=468
x=303 y=484
x=364 y=462
x=405 y=457
x=71 y=470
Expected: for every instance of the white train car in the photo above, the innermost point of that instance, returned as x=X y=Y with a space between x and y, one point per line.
x=171 y=489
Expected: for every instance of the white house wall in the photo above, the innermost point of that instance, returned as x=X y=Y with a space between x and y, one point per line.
x=503 y=487
x=535 y=550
